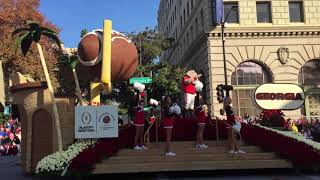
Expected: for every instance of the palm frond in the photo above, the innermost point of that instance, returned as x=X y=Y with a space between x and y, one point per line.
x=20 y=30
x=36 y=35
x=33 y=25
x=19 y=39
x=44 y=29
x=26 y=44
x=63 y=59
x=74 y=60
x=52 y=37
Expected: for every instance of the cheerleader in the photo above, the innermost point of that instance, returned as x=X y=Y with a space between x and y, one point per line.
x=168 y=124
x=202 y=115
x=139 y=124
x=233 y=127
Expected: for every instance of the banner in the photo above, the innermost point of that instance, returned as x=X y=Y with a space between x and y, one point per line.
x=218 y=9
x=96 y=122
x=279 y=96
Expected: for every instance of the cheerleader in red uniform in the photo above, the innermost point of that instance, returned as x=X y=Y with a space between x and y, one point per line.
x=202 y=115
x=139 y=123
x=231 y=121
x=168 y=124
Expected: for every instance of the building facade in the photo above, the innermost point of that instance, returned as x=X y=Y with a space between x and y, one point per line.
x=269 y=41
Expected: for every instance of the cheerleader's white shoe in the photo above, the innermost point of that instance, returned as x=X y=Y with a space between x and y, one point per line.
x=203 y=146
x=240 y=151
x=144 y=147
x=137 y=148
x=170 y=154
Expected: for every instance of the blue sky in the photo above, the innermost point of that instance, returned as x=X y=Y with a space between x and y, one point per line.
x=71 y=16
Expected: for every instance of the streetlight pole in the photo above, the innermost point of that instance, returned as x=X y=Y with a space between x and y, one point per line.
x=223 y=21
x=224 y=53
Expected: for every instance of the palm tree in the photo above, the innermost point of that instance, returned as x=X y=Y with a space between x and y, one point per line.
x=30 y=34
x=72 y=62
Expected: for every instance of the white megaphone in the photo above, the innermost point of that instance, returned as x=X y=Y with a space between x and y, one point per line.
x=154 y=102
x=198 y=85
x=138 y=86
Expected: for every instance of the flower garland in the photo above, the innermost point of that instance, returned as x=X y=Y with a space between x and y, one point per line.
x=59 y=161
x=289 y=145
x=297 y=136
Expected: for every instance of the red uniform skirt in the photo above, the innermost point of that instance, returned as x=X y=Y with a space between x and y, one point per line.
x=201 y=118
x=168 y=123
x=231 y=120
x=139 y=119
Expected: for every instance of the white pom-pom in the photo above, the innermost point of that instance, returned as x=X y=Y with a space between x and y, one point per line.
x=154 y=102
x=175 y=109
x=198 y=85
x=138 y=86
x=237 y=127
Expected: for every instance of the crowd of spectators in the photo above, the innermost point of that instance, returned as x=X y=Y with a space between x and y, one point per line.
x=10 y=137
x=309 y=128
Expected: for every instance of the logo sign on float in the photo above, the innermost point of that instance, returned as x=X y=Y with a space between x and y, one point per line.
x=96 y=122
x=279 y=96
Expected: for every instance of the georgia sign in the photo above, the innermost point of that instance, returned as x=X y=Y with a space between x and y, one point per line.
x=279 y=96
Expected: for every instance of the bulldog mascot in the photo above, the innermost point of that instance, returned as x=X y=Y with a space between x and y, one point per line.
x=189 y=89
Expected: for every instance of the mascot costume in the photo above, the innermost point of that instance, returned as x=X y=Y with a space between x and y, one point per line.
x=188 y=86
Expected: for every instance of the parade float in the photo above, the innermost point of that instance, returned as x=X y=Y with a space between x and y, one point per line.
x=111 y=56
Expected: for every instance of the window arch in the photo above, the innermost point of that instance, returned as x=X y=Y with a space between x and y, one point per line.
x=245 y=79
x=310 y=73
x=309 y=77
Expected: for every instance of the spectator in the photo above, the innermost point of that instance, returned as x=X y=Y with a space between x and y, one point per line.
x=306 y=134
x=289 y=124
x=247 y=118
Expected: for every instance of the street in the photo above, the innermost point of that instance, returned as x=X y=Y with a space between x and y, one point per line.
x=10 y=168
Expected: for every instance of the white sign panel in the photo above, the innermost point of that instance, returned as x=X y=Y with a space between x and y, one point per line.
x=279 y=96
x=96 y=122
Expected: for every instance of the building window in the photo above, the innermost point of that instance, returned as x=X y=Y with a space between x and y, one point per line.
x=296 y=11
x=188 y=9
x=245 y=79
x=309 y=73
x=264 y=12
x=231 y=9
x=309 y=78
x=187 y=40
x=184 y=16
x=196 y=26
x=201 y=18
x=191 y=33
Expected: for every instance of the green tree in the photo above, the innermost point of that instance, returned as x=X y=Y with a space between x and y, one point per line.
x=166 y=80
x=150 y=43
x=13 y=14
x=28 y=35
x=71 y=61
x=83 y=32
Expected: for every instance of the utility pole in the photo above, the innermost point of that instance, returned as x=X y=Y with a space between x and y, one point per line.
x=223 y=22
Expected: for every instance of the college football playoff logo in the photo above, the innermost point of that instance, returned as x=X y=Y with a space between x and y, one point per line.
x=86 y=118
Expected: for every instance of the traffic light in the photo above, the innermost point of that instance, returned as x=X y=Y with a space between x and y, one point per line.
x=220 y=93
x=227 y=88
